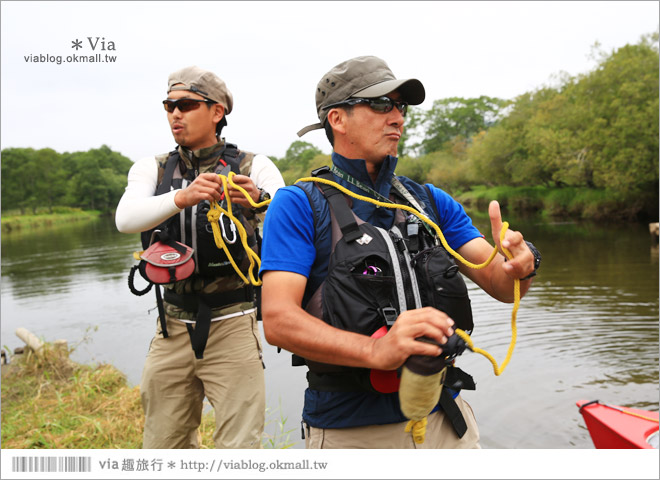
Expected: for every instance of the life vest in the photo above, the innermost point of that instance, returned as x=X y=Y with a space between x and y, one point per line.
x=214 y=283
x=191 y=226
x=373 y=276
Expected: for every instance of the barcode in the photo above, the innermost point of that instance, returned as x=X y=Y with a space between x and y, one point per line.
x=51 y=464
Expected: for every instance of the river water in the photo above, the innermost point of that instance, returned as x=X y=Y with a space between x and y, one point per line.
x=588 y=328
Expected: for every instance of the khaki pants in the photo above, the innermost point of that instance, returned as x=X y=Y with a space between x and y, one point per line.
x=439 y=434
x=174 y=384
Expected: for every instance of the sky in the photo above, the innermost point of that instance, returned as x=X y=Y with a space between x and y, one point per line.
x=271 y=56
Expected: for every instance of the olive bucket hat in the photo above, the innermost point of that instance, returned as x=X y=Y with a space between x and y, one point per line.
x=202 y=82
x=361 y=77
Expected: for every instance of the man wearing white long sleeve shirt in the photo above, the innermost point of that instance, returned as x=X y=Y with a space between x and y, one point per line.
x=224 y=365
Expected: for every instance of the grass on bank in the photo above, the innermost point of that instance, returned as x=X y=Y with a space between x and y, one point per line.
x=13 y=221
x=51 y=402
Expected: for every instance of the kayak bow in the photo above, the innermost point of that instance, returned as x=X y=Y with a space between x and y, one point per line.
x=612 y=426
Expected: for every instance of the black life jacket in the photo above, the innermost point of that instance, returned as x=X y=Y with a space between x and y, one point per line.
x=191 y=225
x=375 y=274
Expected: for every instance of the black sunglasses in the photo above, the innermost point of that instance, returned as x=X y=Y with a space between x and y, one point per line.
x=185 y=104
x=380 y=104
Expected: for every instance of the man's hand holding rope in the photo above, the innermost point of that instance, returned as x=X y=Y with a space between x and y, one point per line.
x=207 y=186
x=520 y=260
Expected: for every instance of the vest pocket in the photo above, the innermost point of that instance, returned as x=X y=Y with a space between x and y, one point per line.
x=442 y=287
x=355 y=293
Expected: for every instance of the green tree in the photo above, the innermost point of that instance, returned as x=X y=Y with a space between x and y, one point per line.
x=410 y=141
x=44 y=178
x=99 y=179
x=620 y=134
x=598 y=130
x=458 y=117
x=50 y=182
x=18 y=173
x=298 y=160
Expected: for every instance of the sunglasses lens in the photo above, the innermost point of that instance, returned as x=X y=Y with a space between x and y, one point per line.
x=381 y=104
x=386 y=104
x=184 y=105
x=187 y=105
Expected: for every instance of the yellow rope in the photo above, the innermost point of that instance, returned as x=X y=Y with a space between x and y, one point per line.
x=640 y=416
x=216 y=210
x=630 y=413
x=418 y=429
x=213 y=216
x=461 y=333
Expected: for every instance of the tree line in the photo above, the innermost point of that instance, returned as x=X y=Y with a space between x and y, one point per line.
x=596 y=131
x=45 y=179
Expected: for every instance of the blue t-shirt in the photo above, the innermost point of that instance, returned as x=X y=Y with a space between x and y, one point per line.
x=290 y=242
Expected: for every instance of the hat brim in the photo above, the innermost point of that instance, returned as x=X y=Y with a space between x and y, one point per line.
x=412 y=90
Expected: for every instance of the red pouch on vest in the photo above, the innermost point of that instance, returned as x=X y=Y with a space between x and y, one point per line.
x=165 y=263
x=384 y=381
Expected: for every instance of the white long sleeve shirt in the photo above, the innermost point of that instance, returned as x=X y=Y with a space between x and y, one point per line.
x=140 y=209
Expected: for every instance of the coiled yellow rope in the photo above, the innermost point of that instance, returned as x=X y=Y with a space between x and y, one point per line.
x=213 y=216
x=418 y=429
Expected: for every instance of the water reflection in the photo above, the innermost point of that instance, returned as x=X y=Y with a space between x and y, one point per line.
x=587 y=329
x=59 y=259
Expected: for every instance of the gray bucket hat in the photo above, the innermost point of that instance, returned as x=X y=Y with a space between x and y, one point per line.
x=202 y=82
x=364 y=77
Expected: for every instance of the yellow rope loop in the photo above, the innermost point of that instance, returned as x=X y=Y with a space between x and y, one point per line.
x=245 y=193
x=217 y=235
x=409 y=209
x=418 y=429
x=213 y=215
x=516 y=283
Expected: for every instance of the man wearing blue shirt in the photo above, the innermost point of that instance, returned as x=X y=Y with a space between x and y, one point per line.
x=362 y=107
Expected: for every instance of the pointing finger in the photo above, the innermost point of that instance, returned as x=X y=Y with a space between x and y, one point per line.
x=495 y=220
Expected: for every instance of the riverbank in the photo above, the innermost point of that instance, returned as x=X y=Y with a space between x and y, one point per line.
x=569 y=203
x=15 y=222
x=51 y=402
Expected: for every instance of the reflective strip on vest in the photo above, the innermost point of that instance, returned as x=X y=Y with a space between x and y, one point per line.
x=398 y=278
x=411 y=271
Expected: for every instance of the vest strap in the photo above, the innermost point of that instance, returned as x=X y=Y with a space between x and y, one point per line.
x=345 y=219
x=200 y=333
x=356 y=380
x=191 y=302
x=454 y=414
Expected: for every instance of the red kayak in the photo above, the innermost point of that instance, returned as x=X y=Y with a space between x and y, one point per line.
x=611 y=426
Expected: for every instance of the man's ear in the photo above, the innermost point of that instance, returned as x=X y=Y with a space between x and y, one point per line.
x=219 y=112
x=337 y=120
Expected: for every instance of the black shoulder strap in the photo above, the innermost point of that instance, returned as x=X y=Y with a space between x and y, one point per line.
x=230 y=154
x=343 y=214
x=170 y=166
